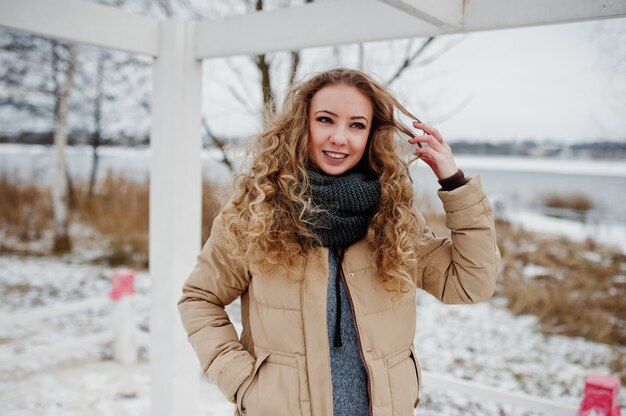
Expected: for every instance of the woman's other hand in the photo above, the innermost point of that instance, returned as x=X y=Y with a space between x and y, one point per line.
x=437 y=154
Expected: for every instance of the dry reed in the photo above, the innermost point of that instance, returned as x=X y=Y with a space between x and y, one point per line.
x=25 y=210
x=579 y=293
x=117 y=214
x=576 y=291
x=119 y=210
x=575 y=202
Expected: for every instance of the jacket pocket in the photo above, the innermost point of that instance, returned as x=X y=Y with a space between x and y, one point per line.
x=404 y=382
x=261 y=357
x=273 y=388
x=418 y=373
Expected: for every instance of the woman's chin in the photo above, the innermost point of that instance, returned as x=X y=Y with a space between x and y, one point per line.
x=335 y=167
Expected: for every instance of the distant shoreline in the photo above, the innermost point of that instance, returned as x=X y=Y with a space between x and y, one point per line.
x=511 y=163
x=595 y=167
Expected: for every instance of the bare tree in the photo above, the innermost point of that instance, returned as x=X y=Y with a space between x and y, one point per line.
x=97 y=119
x=60 y=197
x=263 y=63
x=118 y=82
x=279 y=66
x=29 y=77
x=609 y=38
x=271 y=74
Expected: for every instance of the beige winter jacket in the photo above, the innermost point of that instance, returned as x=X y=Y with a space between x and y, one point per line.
x=280 y=366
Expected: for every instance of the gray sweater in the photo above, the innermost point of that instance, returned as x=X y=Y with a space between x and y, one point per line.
x=348 y=374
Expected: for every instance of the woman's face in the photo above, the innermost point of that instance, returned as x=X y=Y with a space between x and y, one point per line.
x=340 y=118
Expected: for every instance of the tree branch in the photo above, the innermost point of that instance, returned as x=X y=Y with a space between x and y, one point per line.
x=443 y=50
x=295 y=61
x=245 y=102
x=408 y=60
x=219 y=143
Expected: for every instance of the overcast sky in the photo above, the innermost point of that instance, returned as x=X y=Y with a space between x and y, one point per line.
x=563 y=82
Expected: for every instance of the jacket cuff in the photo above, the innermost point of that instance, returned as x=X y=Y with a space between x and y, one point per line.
x=466 y=205
x=452 y=182
x=234 y=374
x=467 y=195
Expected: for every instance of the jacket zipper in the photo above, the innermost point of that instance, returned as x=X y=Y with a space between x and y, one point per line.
x=358 y=338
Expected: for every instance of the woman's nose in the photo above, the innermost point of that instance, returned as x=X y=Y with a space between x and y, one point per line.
x=338 y=137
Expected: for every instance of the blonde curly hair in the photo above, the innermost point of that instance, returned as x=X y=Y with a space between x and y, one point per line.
x=267 y=217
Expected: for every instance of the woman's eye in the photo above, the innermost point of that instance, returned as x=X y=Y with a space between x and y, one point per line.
x=324 y=119
x=358 y=125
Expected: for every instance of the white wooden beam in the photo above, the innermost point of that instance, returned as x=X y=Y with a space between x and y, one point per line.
x=349 y=21
x=175 y=215
x=316 y=24
x=82 y=22
x=480 y=392
x=502 y=14
x=446 y=14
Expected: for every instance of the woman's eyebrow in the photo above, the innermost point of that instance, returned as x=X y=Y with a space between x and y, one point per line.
x=335 y=115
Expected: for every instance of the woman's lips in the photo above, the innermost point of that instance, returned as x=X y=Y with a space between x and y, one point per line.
x=334 y=160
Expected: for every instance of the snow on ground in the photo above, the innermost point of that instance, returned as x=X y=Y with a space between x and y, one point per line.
x=483 y=342
x=611 y=234
x=487 y=344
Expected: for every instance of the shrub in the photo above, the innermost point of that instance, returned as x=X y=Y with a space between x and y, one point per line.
x=116 y=215
x=575 y=202
x=578 y=294
x=25 y=209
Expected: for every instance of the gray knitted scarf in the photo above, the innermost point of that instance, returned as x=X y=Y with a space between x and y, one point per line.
x=347 y=202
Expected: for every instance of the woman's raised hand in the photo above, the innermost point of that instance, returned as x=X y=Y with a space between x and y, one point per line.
x=437 y=154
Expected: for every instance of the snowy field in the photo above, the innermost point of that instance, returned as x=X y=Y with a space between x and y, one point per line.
x=483 y=342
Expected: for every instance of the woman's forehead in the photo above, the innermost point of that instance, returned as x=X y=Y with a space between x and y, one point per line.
x=340 y=98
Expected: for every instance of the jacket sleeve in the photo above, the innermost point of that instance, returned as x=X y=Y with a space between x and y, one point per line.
x=463 y=268
x=216 y=281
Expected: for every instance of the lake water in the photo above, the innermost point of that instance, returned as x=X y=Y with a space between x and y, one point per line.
x=509 y=181
x=522 y=182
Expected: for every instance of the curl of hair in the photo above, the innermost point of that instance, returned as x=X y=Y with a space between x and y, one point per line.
x=266 y=218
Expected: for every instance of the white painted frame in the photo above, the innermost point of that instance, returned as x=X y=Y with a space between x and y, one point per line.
x=178 y=48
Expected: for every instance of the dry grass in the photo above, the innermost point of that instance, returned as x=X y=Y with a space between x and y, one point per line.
x=618 y=365
x=117 y=214
x=213 y=198
x=120 y=211
x=118 y=206
x=25 y=210
x=575 y=202
x=578 y=294
x=572 y=287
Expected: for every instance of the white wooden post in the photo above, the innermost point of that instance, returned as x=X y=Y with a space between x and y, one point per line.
x=175 y=215
x=124 y=345
x=123 y=295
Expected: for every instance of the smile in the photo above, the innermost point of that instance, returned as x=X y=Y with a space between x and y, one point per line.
x=336 y=155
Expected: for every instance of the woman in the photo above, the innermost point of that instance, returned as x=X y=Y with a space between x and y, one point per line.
x=325 y=247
